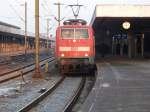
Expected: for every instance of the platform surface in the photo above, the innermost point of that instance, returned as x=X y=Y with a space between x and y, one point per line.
x=121 y=86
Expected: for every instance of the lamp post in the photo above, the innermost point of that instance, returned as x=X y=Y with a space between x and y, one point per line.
x=47 y=43
x=25 y=27
x=126 y=25
x=142 y=45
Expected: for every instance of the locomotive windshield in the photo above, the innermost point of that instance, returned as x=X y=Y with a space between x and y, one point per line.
x=76 y=33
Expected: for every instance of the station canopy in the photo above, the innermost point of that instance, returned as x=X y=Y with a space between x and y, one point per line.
x=111 y=17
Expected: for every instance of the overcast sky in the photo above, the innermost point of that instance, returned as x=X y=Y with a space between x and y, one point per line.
x=11 y=11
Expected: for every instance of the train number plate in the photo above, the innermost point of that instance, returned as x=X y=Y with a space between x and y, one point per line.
x=74 y=48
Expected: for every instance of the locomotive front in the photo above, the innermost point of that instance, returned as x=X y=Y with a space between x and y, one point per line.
x=75 y=49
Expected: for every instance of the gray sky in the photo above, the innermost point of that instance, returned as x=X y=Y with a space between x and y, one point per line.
x=12 y=10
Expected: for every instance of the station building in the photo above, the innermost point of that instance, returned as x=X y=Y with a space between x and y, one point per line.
x=12 y=40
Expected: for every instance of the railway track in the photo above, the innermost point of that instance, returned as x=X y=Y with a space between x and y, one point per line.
x=59 y=98
x=22 y=70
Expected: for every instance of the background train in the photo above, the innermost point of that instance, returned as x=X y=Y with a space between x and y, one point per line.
x=75 y=47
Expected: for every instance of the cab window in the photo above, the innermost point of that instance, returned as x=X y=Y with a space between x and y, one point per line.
x=81 y=33
x=76 y=33
x=67 y=33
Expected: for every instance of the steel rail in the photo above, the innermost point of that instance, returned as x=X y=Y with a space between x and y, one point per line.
x=69 y=104
x=41 y=97
x=75 y=96
x=25 y=69
x=22 y=67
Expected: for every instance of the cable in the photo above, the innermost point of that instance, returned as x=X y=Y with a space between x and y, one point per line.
x=46 y=9
x=21 y=18
x=7 y=17
x=45 y=2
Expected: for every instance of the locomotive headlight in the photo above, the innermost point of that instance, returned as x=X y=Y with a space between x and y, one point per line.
x=62 y=55
x=86 y=54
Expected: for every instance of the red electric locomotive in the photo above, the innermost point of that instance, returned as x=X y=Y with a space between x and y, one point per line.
x=75 y=49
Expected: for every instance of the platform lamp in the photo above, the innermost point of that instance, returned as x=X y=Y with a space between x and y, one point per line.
x=126 y=25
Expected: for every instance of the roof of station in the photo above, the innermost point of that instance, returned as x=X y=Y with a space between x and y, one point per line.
x=15 y=30
x=108 y=15
x=9 y=25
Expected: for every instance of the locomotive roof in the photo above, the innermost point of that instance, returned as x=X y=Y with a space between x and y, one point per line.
x=74 y=22
x=75 y=26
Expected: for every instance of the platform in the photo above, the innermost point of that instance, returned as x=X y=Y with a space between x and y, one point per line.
x=121 y=86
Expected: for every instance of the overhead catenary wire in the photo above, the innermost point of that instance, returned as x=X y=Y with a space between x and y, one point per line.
x=8 y=17
x=15 y=11
x=75 y=12
x=46 y=5
x=46 y=15
x=21 y=18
